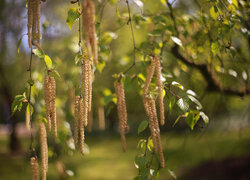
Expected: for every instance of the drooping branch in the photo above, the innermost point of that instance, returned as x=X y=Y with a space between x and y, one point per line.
x=209 y=74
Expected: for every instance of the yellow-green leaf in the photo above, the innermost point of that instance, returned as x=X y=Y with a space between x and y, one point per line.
x=73 y=15
x=214 y=12
x=48 y=61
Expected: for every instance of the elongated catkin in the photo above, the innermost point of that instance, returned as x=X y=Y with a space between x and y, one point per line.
x=47 y=99
x=44 y=150
x=160 y=89
x=76 y=119
x=81 y=106
x=86 y=79
x=34 y=166
x=122 y=112
x=53 y=104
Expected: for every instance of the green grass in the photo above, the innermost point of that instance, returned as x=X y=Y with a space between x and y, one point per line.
x=106 y=160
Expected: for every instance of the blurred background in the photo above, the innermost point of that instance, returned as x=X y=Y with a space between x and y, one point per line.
x=178 y=31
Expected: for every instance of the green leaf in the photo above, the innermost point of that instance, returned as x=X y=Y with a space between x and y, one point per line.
x=199 y=106
x=78 y=58
x=143 y=125
x=56 y=74
x=150 y=144
x=171 y=104
x=183 y=104
x=29 y=109
x=177 y=40
x=214 y=12
x=19 y=44
x=177 y=120
x=39 y=53
x=17 y=103
x=204 y=117
x=141 y=161
x=215 y=47
x=172 y=173
x=190 y=120
x=101 y=65
x=48 y=61
x=73 y=15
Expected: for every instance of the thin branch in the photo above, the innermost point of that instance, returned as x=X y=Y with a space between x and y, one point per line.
x=133 y=36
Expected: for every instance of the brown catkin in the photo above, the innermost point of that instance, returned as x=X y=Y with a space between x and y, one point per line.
x=53 y=104
x=148 y=106
x=160 y=89
x=44 y=150
x=34 y=166
x=86 y=78
x=150 y=73
x=90 y=121
x=81 y=107
x=27 y=121
x=47 y=99
x=76 y=120
x=101 y=117
x=157 y=133
x=122 y=112
x=91 y=76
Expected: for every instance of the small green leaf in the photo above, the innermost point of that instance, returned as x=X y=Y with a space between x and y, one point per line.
x=183 y=104
x=73 y=15
x=214 y=12
x=150 y=144
x=190 y=120
x=199 y=106
x=176 y=40
x=17 y=104
x=56 y=74
x=48 y=61
x=19 y=44
x=101 y=65
x=78 y=58
x=177 y=120
x=171 y=104
x=215 y=47
x=172 y=173
x=204 y=117
x=143 y=125
x=39 y=53
x=29 y=109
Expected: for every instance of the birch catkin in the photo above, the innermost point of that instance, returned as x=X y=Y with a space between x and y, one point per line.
x=81 y=107
x=34 y=168
x=53 y=104
x=47 y=97
x=86 y=64
x=160 y=89
x=122 y=112
x=44 y=150
x=76 y=119
x=34 y=30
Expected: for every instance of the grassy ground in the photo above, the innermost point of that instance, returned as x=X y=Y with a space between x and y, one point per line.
x=106 y=161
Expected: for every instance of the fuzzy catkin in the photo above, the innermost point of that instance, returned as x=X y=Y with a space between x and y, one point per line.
x=91 y=76
x=76 y=119
x=157 y=133
x=86 y=64
x=34 y=166
x=122 y=112
x=160 y=89
x=53 y=105
x=44 y=150
x=151 y=70
x=81 y=107
x=47 y=99
x=101 y=117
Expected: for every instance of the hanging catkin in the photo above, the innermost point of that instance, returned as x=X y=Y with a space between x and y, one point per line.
x=53 y=104
x=160 y=89
x=76 y=119
x=50 y=102
x=34 y=168
x=27 y=121
x=91 y=76
x=44 y=150
x=81 y=107
x=47 y=99
x=34 y=31
x=157 y=133
x=86 y=79
x=101 y=117
x=122 y=112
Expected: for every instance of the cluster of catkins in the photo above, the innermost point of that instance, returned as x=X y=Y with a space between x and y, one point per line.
x=150 y=107
x=34 y=30
x=122 y=111
x=88 y=17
